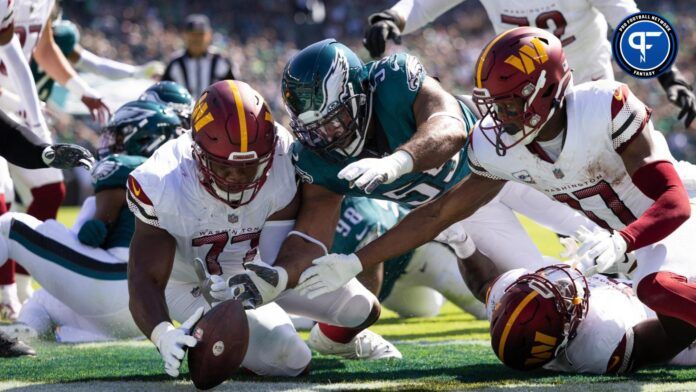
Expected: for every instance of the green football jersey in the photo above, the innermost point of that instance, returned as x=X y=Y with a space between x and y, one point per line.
x=67 y=37
x=109 y=173
x=363 y=220
x=395 y=82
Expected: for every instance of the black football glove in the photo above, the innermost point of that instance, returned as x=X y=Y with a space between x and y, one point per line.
x=66 y=156
x=680 y=93
x=383 y=26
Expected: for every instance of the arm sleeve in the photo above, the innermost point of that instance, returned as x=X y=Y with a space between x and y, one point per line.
x=105 y=67
x=615 y=10
x=660 y=182
x=18 y=69
x=418 y=13
x=19 y=145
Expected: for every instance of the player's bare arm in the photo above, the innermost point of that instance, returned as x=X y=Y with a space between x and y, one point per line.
x=651 y=346
x=418 y=227
x=427 y=221
x=316 y=218
x=440 y=132
x=109 y=204
x=6 y=34
x=149 y=268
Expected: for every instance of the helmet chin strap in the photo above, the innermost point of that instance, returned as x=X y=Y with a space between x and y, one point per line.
x=557 y=103
x=357 y=145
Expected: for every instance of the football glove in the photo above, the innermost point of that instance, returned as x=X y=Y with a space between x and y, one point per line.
x=328 y=273
x=172 y=342
x=601 y=250
x=149 y=70
x=680 y=93
x=369 y=173
x=383 y=26
x=66 y=156
x=205 y=280
x=93 y=233
x=259 y=285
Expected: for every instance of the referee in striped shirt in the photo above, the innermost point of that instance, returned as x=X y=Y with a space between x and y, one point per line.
x=199 y=65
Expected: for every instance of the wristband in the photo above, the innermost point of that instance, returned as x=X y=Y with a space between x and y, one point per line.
x=463 y=249
x=77 y=86
x=309 y=238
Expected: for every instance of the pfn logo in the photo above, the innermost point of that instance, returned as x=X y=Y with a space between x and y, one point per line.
x=641 y=45
x=529 y=55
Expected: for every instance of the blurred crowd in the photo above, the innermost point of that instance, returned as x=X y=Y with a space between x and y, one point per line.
x=260 y=36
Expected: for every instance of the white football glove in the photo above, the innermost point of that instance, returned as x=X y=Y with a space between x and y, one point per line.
x=600 y=247
x=205 y=280
x=369 y=173
x=258 y=285
x=328 y=273
x=149 y=70
x=172 y=342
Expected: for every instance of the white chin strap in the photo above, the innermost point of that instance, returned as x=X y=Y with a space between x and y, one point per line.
x=530 y=137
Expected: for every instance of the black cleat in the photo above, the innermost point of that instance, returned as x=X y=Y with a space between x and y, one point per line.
x=12 y=347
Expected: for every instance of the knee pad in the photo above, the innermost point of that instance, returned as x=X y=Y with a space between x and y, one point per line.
x=297 y=356
x=357 y=309
x=655 y=290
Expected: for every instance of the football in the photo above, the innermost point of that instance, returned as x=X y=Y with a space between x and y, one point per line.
x=223 y=336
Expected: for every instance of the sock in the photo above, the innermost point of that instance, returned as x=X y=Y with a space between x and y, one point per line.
x=669 y=294
x=46 y=201
x=7 y=273
x=9 y=294
x=339 y=334
x=24 y=287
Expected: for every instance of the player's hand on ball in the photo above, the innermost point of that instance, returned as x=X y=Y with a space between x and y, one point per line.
x=602 y=248
x=328 y=273
x=260 y=284
x=369 y=173
x=66 y=156
x=172 y=342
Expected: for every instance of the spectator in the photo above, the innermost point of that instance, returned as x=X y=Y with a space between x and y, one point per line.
x=199 y=65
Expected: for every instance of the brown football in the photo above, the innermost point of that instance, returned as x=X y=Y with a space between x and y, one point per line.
x=223 y=337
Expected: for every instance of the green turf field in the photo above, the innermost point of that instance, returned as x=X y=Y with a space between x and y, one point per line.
x=448 y=352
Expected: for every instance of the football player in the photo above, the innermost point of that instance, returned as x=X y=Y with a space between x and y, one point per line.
x=384 y=130
x=557 y=319
x=221 y=199
x=82 y=271
x=173 y=95
x=580 y=25
x=590 y=146
x=27 y=26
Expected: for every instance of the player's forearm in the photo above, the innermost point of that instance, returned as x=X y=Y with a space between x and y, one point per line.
x=659 y=181
x=147 y=304
x=478 y=272
x=296 y=255
x=19 y=145
x=105 y=67
x=435 y=143
x=53 y=62
x=417 y=13
x=653 y=346
x=18 y=69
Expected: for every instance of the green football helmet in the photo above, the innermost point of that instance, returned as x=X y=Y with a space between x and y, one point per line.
x=139 y=128
x=67 y=33
x=326 y=93
x=175 y=96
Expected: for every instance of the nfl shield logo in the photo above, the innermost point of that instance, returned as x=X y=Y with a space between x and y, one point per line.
x=232 y=218
x=558 y=173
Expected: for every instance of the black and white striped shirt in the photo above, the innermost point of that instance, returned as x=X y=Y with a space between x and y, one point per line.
x=197 y=73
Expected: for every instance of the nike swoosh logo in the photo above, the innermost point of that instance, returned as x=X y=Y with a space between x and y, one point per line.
x=134 y=185
x=360 y=236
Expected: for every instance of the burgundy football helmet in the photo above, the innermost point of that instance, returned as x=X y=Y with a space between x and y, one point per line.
x=538 y=315
x=234 y=138
x=520 y=80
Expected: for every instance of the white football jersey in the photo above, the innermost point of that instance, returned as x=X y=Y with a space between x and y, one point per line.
x=165 y=192
x=581 y=25
x=613 y=310
x=589 y=174
x=6 y=13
